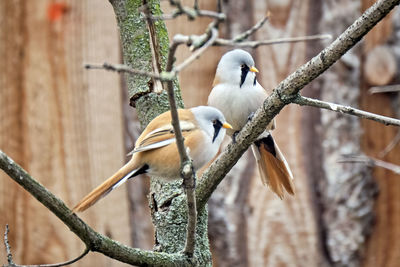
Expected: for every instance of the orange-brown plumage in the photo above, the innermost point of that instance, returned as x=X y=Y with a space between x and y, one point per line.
x=274 y=173
x=102 y=190
x=156 y=152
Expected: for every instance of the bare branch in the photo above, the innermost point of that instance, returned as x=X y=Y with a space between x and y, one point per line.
x=93 y=240
x=246 y=34
x=372 y=162
x=12 y=264
x=219 y=6
x=384 y=89
x=255 y=44
x=285 y=93
x=191 y=13
x=306 y=101
x=196 y=5
x=187 y=172
x=155 y=53
x=391 y=145
x=203 y=41
x=8 y=248
x=126 y=69
x=198 y=52
x=186 y=164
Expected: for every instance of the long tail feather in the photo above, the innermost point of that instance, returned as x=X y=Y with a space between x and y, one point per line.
x=122 y=175
x=273 y=167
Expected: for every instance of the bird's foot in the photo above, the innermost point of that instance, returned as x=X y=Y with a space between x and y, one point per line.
x=250 y=117
x=234 y=137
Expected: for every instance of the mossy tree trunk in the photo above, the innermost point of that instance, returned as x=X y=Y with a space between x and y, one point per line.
x=145 y=46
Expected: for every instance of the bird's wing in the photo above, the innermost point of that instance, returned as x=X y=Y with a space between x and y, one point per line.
x=161 y=136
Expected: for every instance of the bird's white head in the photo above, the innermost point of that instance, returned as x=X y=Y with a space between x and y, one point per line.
x=236 y=67
x=211 y=121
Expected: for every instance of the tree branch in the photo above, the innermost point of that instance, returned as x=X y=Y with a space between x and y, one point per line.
x=246 y=34
x=255 y=44
x=199 y=42
x=391 y=145
x=285 y=93
x=306 y=101
x=93 y=240
x=186 y=163
x=12 y=264
x=8 y=248
x=121 y=68
x=198 y=52
x=191 y=13
x=384 y=89
x=372 y=162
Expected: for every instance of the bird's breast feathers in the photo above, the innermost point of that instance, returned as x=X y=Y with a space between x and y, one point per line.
x=236 y=103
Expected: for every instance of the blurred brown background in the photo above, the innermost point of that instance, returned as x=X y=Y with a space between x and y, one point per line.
x=71 y=128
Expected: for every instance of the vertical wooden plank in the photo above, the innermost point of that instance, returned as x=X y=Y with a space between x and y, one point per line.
x=71 y=126
x=384 y=244
x=12 y=19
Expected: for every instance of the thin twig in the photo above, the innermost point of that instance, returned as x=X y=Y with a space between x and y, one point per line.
x=246 y=34
x=198 y=52
x=155 y=51
x=191 y=13
x=391 y=145
x=126 y=69
x=203 y=42
x=306 y=101
x=196 y=5
x=219 y=6
x=84 y=253
x=187 y=172
x=255 y=44
x=370 y=161
x=384 y=89
x=12 y=264
x=8 y=248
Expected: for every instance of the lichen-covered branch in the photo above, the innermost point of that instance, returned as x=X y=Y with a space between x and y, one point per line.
x=186 y=163
x=286 y=92
x=93 y=240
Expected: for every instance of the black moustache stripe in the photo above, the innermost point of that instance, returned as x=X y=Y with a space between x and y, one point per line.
x=217 y=127
x=245 y=70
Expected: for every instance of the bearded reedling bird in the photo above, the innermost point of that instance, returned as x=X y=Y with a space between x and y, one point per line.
x=238 y=95
x=156 y=152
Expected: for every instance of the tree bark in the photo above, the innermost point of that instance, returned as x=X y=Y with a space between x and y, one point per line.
x=144 y=41
x=346 y=191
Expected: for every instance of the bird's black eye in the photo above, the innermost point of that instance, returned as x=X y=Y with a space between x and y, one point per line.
x=243 y=66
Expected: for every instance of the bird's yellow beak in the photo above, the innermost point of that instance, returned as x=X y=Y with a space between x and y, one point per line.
x=254 y=69
x=226 y=126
